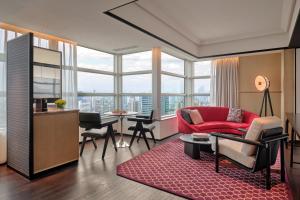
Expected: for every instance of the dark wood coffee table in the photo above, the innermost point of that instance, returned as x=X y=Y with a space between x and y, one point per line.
x=193 y=147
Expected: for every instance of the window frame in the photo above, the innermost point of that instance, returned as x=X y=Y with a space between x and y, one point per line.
x=184 y=76
x=99 y=72
x=194 y=77
x=139 y=72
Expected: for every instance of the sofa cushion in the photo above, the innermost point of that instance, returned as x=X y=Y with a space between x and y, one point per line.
x=235 y=115
x=220 y=125
x=185 y=113
x=196 y=117
x=255 y=129
x=233 y=150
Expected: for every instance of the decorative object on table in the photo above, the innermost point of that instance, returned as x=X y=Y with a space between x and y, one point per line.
x=60 y=103
x=196 y=117
x=166 y=167
x=140 y=121
x=119 y=111
x=235 y=115
x=262 y=84
x=44 y=105
x=258 y=150
x=200 y=136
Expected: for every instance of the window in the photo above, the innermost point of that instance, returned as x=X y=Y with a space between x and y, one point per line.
x=172 y=64
x=137 y=62
x=95 y=83
x=92 y=59
x=100 y=104
x=40 y=42
x=169 y=104
x=201 y=83
x=142 y=104
x=140 y=83
x=137 y=82
x=172 y=84
x=95 y=80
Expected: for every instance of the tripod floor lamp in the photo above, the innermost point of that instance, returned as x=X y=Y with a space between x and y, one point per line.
x=262 y=84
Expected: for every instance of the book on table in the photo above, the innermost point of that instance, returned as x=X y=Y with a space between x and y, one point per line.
x=200 y=136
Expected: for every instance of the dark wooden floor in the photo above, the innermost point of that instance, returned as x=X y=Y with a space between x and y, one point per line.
x=293 y=173
x=92 y=178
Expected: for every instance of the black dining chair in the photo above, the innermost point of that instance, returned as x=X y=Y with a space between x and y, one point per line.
x=91 y=122
x=144 y=124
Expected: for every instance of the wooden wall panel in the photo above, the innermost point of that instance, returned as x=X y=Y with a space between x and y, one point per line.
x=250 y=66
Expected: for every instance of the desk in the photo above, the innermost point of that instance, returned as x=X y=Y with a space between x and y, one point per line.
x=121 y=143
x=294 y=120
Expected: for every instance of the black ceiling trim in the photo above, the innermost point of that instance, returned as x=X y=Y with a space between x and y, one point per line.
x=242 y=52
x=109 y=13
x=146 y=32
x=125 y=4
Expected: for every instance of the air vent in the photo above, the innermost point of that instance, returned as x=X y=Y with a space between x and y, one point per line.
x=126 y=48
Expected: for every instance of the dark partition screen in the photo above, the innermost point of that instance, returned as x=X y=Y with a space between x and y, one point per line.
x=19 y=103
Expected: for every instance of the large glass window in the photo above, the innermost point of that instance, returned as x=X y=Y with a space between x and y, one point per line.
x=141 y=104
x=172 y=84
x=137 y=62
x=137 y=82
x=140 y=83
x=201 y=83
x=169 y=104
x=95 y=83
x=95 y=80
x=40 y=42
x=92 y=59
x=100 y=104
x=172 y=64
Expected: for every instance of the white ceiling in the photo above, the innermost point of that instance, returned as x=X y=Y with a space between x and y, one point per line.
x=210 y=21
x=202 y=27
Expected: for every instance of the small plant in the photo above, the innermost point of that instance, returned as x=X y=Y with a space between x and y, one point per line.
x=60 y=103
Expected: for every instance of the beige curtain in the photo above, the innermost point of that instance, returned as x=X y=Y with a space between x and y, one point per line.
x=225 y=82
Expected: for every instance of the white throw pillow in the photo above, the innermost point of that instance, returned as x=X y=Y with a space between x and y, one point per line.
x=253 y=133
x=196 y=117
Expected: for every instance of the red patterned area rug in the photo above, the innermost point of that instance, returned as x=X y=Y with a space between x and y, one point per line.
x=167 y=168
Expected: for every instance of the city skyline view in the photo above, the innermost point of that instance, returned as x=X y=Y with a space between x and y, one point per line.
x=92 y=86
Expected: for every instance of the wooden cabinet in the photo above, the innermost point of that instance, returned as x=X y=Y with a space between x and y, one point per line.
x=55 y=138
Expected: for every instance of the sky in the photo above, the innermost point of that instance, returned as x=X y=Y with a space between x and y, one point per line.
x=142 y=83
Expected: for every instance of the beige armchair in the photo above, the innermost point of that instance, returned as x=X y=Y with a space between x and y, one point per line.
x=258 y=150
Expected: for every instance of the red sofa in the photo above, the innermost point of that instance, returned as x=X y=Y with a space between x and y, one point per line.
x=214 y=121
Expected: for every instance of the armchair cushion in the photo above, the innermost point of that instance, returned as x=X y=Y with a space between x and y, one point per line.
x=235 y=115
x=255 y=130
x=185 y=113
x=196 y=117
x=232 y=149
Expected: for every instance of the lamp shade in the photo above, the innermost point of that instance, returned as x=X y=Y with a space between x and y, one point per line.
x=262 y=83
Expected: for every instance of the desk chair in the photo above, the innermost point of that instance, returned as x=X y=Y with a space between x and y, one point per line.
x=91 y=122
x=142 y=120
